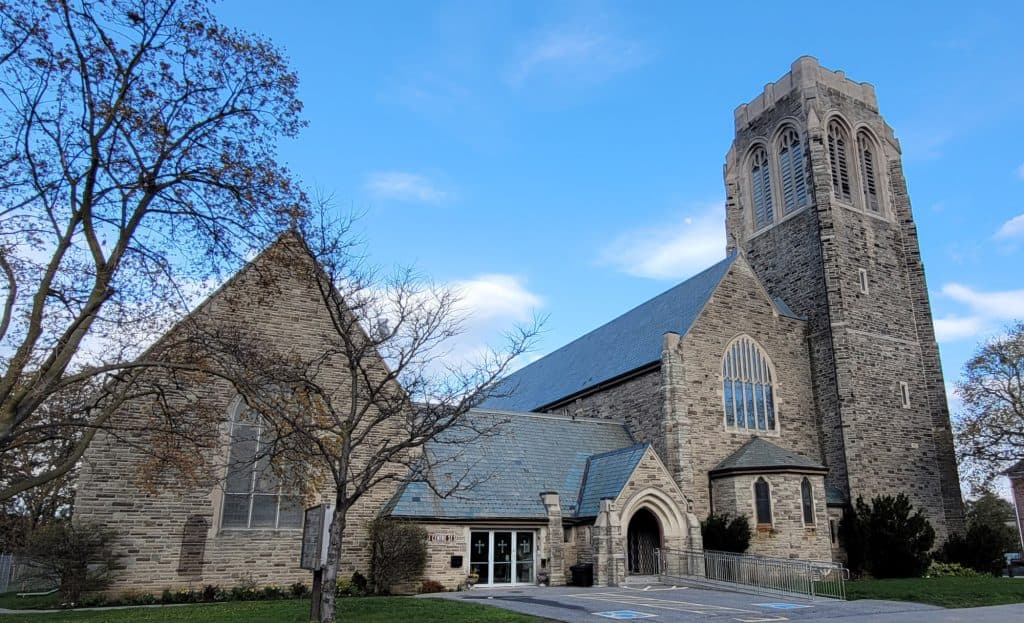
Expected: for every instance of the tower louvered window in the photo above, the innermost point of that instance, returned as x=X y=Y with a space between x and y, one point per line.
x=791 y=171
x=868 y=177
x=761 y=185
x=749 y=398
x=839 y=161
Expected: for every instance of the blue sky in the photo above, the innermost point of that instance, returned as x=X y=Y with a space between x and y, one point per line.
x=566 y=158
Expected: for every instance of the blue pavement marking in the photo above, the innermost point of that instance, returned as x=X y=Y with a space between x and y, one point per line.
x=625 y=615
x=782 y=606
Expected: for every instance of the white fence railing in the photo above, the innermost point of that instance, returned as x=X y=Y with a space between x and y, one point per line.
x=6 y=571
x=759 y=574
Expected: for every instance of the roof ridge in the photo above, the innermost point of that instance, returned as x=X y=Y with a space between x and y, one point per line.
x=546 y=416
x=601 y=455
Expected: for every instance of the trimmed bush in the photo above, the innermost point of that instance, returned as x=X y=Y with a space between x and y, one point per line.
x=398 y=553
x=351 y=587
x=724 y=533
x=950 y=570
x=432 y=586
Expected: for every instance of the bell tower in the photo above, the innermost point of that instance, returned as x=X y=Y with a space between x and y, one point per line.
x=817 y=202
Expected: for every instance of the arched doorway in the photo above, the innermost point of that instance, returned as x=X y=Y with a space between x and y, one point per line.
x=643 y=538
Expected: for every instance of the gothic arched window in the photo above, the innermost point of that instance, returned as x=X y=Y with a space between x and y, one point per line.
x=868 y=174
x=254 y=496
x=761 y=188
x=807 y=501
x=791 y=171
x=763 y=501
x=747 y=381
x=838 y=146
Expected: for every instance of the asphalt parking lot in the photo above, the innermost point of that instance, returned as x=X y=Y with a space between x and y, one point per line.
x=689 y=605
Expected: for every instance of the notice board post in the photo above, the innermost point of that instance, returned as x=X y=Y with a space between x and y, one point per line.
x=316 y=528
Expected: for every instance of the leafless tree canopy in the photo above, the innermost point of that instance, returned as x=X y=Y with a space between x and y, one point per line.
x=137 y=165
x=990 y=431
x=358 y=412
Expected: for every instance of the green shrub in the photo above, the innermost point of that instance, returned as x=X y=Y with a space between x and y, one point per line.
x=299 y=589
x=245 y=591
x=212 y=592
x=432 y=586
x=981 y=549
x=398 y=553
x=889 y=538
x=77 y=558
x=351 y=587
x=950 y=569
x=723 y=533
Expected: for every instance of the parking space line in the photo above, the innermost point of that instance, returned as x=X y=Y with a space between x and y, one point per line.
x=667 y=604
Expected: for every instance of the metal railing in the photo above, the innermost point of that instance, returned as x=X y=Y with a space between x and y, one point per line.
x=758 y=574
x=6 y=571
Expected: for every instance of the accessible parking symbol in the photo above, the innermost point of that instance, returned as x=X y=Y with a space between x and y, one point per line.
x=625 y=615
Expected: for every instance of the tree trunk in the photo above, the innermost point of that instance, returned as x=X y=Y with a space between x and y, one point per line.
x=330 y=574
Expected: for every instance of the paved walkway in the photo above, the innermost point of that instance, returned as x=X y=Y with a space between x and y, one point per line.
x=691 y=605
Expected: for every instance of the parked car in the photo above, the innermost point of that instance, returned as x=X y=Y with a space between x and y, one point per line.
x=1014 y=564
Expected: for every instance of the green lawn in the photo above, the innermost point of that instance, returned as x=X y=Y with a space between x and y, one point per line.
x=12 y=601
x=364 y=610
x=948 y=592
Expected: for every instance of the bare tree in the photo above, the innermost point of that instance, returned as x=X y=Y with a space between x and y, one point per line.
x=990 y=431
x=137 y=165
x=393 y=386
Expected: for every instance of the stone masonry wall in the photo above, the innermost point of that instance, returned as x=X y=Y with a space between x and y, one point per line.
x=862 y=344
x=650 y=473
x=635 y=401
x=693 y=371
x=169 y=529
x=787 y=536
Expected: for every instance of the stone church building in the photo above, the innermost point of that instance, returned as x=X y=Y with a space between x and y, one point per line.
x=783 y=382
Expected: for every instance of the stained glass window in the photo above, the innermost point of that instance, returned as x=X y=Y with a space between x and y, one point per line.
x=254 y=497
x=747 y=386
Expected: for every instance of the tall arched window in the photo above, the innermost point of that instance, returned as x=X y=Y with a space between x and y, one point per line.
x=807 y=501
x=838 y=145
x=761 y=188
x=763 y=501
x=868 y=174
x=253 y=495
x=791 y=171
x=747 y=379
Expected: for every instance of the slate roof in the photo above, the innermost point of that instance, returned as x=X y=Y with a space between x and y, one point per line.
x=606 y=476
x=627 y=343
x=522 y=456
x=834 y=497
x=759 y=454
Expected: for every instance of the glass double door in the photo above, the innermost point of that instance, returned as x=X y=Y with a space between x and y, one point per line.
x=502 y=556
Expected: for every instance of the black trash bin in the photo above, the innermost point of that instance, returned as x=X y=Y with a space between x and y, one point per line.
x=582 y=575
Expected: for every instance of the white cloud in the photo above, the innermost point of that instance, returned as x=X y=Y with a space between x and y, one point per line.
x=403 y=186
x=496 y=296
x=1020 y=171
x=997 y=305
x=675 y=249
x=581 y=53
x=950 y=328
x=988 y=312
x=1013 y=228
